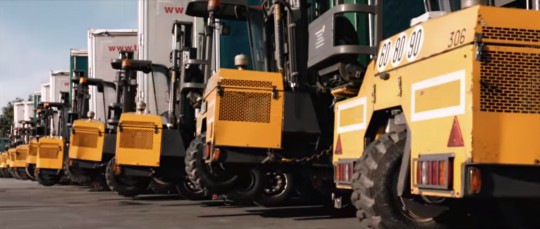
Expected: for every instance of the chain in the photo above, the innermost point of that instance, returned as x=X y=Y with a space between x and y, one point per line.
x=272 y=157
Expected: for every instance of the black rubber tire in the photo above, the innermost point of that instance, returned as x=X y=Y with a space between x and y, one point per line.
x=99 y=183
x=266 y=199
x=21 y=174
x=6 y=173
x=74 y=175
x=374 y=183
x=47 y=180
x=244 y=192
x=197 y=172
x=158 y=186
x=30 y=172
x=190 y=191
x=137 y=186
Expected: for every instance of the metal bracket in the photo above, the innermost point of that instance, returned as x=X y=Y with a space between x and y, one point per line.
x=479 y=47
x=404 y=167
x=220 y=90
x=275 y=94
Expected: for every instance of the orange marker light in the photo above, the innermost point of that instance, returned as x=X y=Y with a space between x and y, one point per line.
x=216 y=155
x=475 y=180
x=82 y=80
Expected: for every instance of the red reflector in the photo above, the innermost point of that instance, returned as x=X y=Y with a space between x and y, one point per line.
x=338 y=145
x=456 y=139
x=434 y=173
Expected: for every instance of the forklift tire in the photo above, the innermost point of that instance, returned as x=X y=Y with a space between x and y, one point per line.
x=99 y=183
x=6 y=173
x=248 y=186
x=46 y=180
x=22 y=175
x=278 y=187
x=124 y=186
x=73 y=175
x=158 y=186
x=375 y=187
x=197 y=171
x=30 y=173
x=190 y=191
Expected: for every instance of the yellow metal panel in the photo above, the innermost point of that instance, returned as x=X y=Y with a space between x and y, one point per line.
x=497 y=26
x=245 y=109
x=443 y=93
x=507 y=107
x=436 y=97
x=428 y=39
x=11 y=157
x=248 y=118
x=50 y=153
x=87 y=140
x=21 y=152
x=138 y=142
x=351 y=116
x=32 y=152
x=412 y=86
x=3 y=160
x=457 y=29
x=352 y=135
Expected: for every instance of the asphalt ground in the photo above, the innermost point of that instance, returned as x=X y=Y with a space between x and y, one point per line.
x=27 y=205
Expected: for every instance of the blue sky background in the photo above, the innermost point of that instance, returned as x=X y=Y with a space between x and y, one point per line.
x=36 y=35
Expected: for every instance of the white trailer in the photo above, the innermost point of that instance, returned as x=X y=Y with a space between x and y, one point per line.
x=45 y=92
x=156 y=18
x=28 y=110
x=59 y=82
x=103 y=46
x=18 y=113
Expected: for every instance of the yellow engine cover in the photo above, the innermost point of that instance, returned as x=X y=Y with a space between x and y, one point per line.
x=32 y=152
x=21 y=153
x=50 y=153
x=3 y=160
x=244 y=109
x=138 y=140
x=11 y=157
x=87 y=139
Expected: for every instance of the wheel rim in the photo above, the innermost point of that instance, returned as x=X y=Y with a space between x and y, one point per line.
x=191 y=187
x=277 y=183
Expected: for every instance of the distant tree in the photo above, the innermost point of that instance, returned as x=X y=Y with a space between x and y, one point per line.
x=6 y=118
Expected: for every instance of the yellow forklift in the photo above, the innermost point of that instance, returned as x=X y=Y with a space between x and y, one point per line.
x=443 y=117
x=4 y=165
x=264 y=133
x=92 y=141
x=52 y=146
x=19 y=152
x=150 y=147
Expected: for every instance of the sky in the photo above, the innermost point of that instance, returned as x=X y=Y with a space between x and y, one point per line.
x=36 y=36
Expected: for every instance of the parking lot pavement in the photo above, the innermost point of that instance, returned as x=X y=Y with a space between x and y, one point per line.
x=25 y=204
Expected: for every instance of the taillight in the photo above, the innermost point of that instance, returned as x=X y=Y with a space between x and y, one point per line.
x=434 y=172
x=343 y=171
